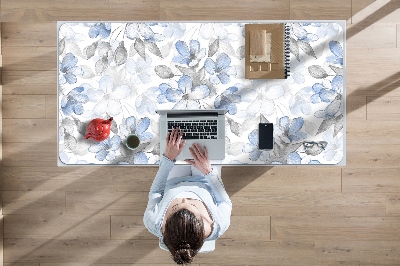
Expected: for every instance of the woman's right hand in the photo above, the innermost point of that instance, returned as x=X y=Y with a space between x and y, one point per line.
x=175 y=144
x=200 y=159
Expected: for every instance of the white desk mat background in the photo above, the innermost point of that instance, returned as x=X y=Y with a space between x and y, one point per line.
x=103 y=73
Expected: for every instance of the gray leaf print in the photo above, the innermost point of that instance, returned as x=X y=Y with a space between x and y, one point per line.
x=294 y=48
x=338 y=125
x=103 y=48
x=314 y=148
x=337 y=70
x=140 y=48
x=61 y=46
x=234 y=126
x=326 y=124
x=213 y=48
x=90 y=50
x=164 y=72
x=317 y=72
x=334 y=106
x=80 y=126
x=306 y=47
x=263 y=119
x=240 y=52
x=185 y=70
x=153 y=48
x=121 y=54
x=70 y=141
x=101 y=65
x=114 y=127
x=68 y=125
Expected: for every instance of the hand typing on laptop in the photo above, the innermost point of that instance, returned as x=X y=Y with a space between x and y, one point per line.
x=205 y=127
x=200 y=159
x=175 y=145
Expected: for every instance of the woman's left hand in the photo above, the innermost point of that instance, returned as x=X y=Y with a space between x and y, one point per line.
x=174 y=144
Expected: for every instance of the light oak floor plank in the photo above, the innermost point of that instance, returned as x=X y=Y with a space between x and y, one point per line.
x=147 y=251
x=383 y=108
x=364 y=252
x=33 y=202
x=73 y=216
x=379 y=180
x=393 y=204
x=24 y=154
x=369 y=155
x=29 y=35
x=224 y=9
x=78 y=179
x=333 y=9
x=43 y=11
x=29 y=82
x=50 y=226
x=29 y=130
x=309 y=204
x=24 y=106
x=333 y=228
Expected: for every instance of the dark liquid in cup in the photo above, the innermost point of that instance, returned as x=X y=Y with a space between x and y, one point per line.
x=133 y=142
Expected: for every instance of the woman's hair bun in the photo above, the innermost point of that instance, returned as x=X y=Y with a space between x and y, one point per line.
x=185 y=246
x=183 y=256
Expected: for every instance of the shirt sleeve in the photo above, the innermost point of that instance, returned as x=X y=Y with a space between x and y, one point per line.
x=222 y=199
x=156 y=194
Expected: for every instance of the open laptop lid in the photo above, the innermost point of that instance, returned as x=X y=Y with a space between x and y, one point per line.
x=194 y=112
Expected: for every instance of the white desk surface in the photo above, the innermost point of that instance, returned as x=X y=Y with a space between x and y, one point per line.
x=127 y=70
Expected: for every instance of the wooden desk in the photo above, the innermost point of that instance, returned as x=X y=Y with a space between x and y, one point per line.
x=129 y=70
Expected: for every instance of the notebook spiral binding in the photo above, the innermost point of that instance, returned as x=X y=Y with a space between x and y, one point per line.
x=287 y=50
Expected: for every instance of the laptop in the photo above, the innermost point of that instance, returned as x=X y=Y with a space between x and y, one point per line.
x=204 y=127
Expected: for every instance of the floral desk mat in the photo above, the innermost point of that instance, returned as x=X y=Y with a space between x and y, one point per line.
x=129 y=70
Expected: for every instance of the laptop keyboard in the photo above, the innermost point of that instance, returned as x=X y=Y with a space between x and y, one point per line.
x=195 y=129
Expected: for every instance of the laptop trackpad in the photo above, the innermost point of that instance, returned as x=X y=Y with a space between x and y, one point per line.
x=215 y=151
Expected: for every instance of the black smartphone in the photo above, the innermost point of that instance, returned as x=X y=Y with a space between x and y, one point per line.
x=265 y=136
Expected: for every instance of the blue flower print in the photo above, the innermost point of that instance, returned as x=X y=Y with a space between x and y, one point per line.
x=139 y=128
x=252 y=148
x=334 y=149
x=301 y=33
x=100 y=29
x=109 y=97
x=191 y=55
x=176 y=30
x=185 y=96
x=293 y=158
x=141 y=70
x=73 y=101
x=300 y=102
x=106 y=150
x=322 y=94
x=337 y=51
x=219 y=31
x=220 y=70
x=70 y=70
x=228 y=99
x=140 y=158
x=334 y=109
x=142 y=31
x=337 y=83
x=291 y=130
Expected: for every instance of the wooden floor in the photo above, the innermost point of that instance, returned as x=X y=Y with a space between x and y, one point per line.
x=281 y=215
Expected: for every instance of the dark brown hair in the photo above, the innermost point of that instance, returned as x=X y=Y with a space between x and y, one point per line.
x=184 y=235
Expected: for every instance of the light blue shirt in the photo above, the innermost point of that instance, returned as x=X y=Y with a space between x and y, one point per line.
x=209 y=188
